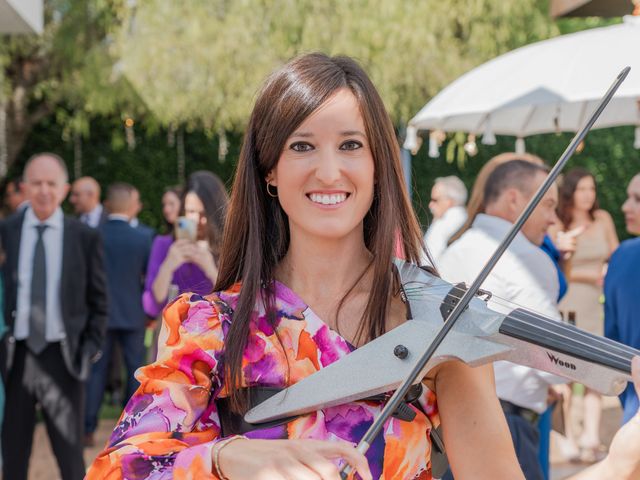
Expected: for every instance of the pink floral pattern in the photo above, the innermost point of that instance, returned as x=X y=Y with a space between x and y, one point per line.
x=168 y=428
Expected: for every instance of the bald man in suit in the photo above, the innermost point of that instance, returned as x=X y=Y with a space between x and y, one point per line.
x=56 y=311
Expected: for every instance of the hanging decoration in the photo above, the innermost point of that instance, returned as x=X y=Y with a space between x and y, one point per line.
x=130 y=135
x=488 y=137
x=470 y=147
x=436 y=139
x=181 y=156
x=223 y=145
x=77 y=154
x=411 y=139
x=171 y=135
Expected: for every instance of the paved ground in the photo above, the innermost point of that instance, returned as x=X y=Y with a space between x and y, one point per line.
x=611 y=418
x=43 y=466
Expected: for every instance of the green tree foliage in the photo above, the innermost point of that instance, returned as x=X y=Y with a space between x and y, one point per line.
x=196 y=65
x=608 y=153
x=67 y=72
x=200 y=63
x=151 y=166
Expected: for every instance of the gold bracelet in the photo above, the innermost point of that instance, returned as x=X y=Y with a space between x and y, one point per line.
x=216 y=453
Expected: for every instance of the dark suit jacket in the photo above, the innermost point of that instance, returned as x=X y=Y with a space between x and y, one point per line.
x=104 y=216
x=127 y=254
x=147 y=230
x=83 y=294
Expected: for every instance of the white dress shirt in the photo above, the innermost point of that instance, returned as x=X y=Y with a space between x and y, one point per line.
x=52 y=238
x=442 y=229
x=525 y=276
x=93 y=217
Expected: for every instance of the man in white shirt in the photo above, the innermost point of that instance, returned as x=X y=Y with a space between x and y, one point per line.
x=448 y=197
x=525 y=276
x=56 y=309
x=85 y=198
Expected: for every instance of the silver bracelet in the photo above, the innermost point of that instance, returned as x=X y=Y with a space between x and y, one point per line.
x=216 y=453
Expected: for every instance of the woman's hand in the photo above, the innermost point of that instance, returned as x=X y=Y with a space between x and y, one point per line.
x=623 y=460
x=566 y=241
x=288 y=459
x=179 y=253
x=624 y=452
x=200 y=255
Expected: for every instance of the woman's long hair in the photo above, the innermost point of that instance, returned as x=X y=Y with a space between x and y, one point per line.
x=212 y=193
x=256 y=234
x=177 y=191
x=565 y=195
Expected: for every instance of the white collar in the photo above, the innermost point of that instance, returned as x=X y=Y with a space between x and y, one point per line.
x=96 y=212
x=118 y=216
x=54 y=221
x=456 y=210
x=498 y=227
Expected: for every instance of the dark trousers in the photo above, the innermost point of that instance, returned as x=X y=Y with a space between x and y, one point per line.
x=132 y=347
x=525 y=440
x=42 y=380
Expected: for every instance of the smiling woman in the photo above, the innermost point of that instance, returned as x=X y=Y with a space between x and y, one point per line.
x=306 y=276
x=325 y=174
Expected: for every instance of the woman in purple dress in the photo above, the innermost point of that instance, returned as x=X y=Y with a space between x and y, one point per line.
x=184 y=265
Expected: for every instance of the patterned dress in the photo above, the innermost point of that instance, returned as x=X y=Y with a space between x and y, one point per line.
x=169 y=426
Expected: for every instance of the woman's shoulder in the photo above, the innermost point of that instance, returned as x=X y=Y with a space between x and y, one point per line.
x=602 y=216
x=166 y=239
x=161 y=243
x=195 y=313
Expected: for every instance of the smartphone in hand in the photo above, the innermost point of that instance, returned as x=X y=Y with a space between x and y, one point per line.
x=186 y=228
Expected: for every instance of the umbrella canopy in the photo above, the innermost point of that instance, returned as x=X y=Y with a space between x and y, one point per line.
x=21 y=16
x=591 y=8
x=548 y=86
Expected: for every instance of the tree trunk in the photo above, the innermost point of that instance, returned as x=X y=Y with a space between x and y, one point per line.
x=18 y=125
x=3 y=138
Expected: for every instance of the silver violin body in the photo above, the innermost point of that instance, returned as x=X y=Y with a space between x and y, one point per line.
x=480 y=336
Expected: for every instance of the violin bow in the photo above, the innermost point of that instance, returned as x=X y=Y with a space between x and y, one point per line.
x=514 y=326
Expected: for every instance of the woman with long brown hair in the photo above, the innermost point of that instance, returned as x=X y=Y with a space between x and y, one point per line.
x=178 y=264
x=579 y=213
x=305 y=277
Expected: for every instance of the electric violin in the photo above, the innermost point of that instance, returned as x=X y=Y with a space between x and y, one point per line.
x=481 y=335
x=471 y=332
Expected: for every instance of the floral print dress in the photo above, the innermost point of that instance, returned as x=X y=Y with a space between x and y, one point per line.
x=170 y=425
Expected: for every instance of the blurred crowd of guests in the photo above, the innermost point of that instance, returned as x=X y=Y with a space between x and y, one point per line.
x=82 y=294
x=557 y=265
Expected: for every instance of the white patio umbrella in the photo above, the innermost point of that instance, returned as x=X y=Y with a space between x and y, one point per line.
x=21 y=16
x=548 y=86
